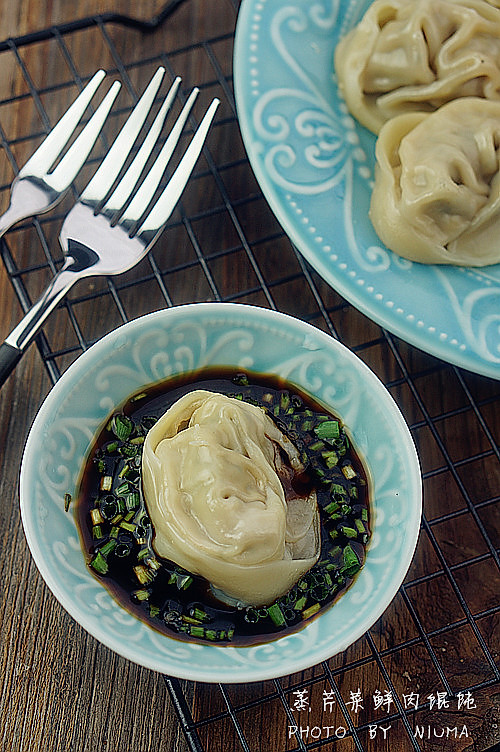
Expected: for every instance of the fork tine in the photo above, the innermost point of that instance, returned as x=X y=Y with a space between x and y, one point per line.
x=44 y=157
x=111 y=165
x=173 y=190
x=73 y=160
x=132 y=175
x=141 y=200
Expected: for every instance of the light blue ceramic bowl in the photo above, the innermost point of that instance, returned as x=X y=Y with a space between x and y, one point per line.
x=182 y=339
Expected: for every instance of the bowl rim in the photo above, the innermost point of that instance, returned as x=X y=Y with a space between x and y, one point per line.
x=261 y=673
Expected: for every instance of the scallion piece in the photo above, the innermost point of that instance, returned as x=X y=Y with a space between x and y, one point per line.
x=200 y=614
x=132 y=500
x=349 y=532
x=308 y=612
x=99 y=563
x=316 y=446
x=331 y=459
x=276 y=615
x=351 y=562
x=129 y=526
x=300 y=603
x=141 y=595
x=349 y=471
x=328 y=430
x=121 y=426
x=107 y=547
x=123 y=489
x=196 y=631
x=106 y=483
x=359 y=526
x=332 y=507
x=67 y=501
x=143 y=574
x=96 y=516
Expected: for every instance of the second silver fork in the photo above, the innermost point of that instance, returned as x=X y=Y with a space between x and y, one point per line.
x=107 y=234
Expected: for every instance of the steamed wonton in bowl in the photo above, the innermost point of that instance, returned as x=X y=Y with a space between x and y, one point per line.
x=211 y=476
x=416 y=55
x=436 y=197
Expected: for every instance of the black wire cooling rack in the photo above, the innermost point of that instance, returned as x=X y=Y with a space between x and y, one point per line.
x=227 y=246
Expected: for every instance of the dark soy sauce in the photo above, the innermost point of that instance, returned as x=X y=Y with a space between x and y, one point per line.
x=117 y=535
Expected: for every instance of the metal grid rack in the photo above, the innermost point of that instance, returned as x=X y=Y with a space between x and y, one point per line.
x=227 y=246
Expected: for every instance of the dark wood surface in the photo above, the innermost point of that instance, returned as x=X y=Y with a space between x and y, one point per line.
x=61 y=690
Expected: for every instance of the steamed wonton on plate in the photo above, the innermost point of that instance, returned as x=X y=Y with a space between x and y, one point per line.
x=437 y=184
x=211 y=478
x=416 y=55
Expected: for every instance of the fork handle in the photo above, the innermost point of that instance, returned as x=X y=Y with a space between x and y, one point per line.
x=9 y=358
x=21 y=336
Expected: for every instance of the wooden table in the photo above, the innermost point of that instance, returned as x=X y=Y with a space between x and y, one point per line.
x=61 y=690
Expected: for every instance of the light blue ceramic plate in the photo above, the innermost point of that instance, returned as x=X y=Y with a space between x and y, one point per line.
x=315 y=165
x=179 y=340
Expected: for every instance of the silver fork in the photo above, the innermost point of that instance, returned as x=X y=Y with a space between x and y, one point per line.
x=35 y=189
x=107 y=234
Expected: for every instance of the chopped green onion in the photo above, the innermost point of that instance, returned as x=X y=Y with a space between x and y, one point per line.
x=331 y=459
x=196 y=631
x=128 y=450
x=276 y=615
x=96 y=516
x=143 y=574
x=332 y=507
x=129 y=526
x=139 y=396
x=124 y=471
x=349 y=472
x=284 y=400
x=311 y=611
x=121 y=426
x=189 y=619
x=107 y=547
x=349 y=532
x=106 y=482
x=359 y=526
x=67 y=501
x=316 y=446
x=301 y=602
x=200 y=614
x=141 y=595
x=132 y=500
x=99 y=563
x=351 y=562
x=328 y=429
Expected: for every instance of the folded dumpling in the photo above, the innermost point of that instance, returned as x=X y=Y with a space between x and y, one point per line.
x=409 y=55
x=211 y=478
x=436 y=197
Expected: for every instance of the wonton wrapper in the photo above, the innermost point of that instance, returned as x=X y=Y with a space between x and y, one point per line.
x=437 y=184
x=217 y=504
x=409 y=55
